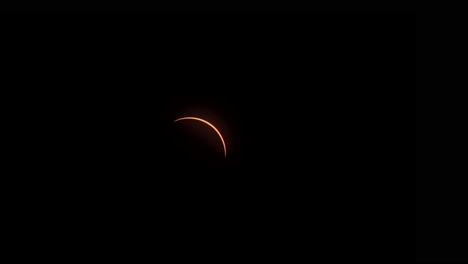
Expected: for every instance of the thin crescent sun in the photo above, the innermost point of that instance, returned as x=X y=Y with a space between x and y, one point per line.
x=208 y=123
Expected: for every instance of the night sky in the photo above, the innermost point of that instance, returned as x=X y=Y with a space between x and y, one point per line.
x=316 y=119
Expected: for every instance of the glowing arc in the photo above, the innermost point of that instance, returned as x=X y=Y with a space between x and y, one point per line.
x=208 y=123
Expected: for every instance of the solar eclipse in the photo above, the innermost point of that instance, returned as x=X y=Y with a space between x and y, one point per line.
x=209 y=124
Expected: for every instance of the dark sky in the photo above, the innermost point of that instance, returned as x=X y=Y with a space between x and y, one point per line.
x=315 y=117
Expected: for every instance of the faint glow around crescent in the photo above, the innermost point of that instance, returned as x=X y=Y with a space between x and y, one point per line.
x=208 y=123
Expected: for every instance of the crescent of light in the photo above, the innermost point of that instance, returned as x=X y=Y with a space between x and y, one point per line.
x=208 y=123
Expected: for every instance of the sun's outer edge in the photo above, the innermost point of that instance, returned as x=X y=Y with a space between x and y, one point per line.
x=208 y=123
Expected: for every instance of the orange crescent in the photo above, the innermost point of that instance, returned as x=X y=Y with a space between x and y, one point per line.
x=208 y=123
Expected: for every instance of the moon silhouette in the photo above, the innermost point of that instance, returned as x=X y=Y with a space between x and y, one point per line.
x=208 y=123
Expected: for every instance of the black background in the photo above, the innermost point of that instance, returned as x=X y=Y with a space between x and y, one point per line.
x=317 y=115
x=440 y=189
